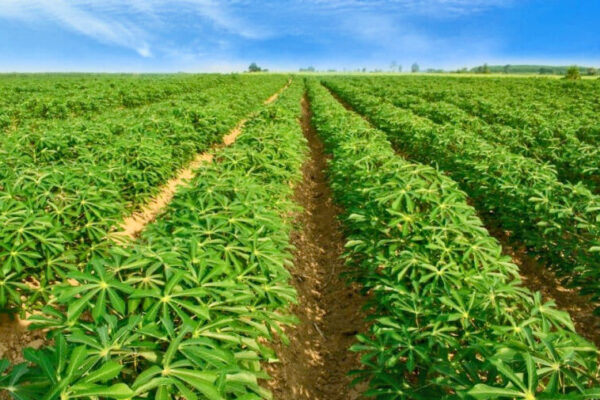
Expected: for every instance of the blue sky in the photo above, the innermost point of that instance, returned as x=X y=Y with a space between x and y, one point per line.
x=210 y=35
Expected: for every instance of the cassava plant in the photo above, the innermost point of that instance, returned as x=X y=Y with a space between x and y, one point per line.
x=449 y=318
x=187 y=310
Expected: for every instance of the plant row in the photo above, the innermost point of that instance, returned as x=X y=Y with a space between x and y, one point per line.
x=64 y=190
x=532 y=103
x=448 y=317
x=557 y=221
x=187 y=309
x=573 y=159
x=33 y=99
x=535 y=105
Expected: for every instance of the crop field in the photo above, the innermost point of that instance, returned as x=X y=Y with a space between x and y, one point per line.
x=278 y=236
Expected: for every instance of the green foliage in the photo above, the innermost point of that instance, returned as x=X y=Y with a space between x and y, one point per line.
x=254 y=68
x=573 y=73
x=69 y=181
x=575 y=160
x=449 y=317
x=482 y=69
x=557 y=221
x=528 y=69
x=184 y=311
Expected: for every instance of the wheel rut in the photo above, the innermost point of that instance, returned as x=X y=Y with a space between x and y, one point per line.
x=316 y=363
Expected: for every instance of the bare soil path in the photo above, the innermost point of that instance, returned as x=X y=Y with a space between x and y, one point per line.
x=135 y=223
x=316 y=363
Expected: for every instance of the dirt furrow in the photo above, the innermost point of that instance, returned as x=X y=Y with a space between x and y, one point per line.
x=316 y=362
x=135 y=223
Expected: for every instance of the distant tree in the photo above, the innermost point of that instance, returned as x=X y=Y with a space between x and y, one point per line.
x=546 y=71
x=393 y=65
x=573 y=73
x=399 y=68
x=482 y=69
x=414 y=68
x=506 y=68
x=364 y=69
x=592 y=71
x=254 y=68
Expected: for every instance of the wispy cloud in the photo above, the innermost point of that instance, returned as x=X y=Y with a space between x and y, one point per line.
x=438 y=8
x=125 y=22
x=78 y=19
x=229 y=34
x=221 y=15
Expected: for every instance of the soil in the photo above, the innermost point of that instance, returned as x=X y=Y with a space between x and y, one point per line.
x=316 y=363
x=15 y=337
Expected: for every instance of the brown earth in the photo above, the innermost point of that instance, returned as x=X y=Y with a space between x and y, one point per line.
x=316 y=362
x=14 y=337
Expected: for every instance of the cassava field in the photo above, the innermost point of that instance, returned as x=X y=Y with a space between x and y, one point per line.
x=265 y=236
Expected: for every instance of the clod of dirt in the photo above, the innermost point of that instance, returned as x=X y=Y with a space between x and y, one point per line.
x=15 y=337
x=316 y=363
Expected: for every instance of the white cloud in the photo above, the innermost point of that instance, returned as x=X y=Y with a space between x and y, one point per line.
x=127 y=23
x=190 y=33
x=222 y=17
x=435 y=8
x=78 y=19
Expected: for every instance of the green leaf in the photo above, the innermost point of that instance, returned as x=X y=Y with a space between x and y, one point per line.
x=108 y=371
x=485 y=392
x=199 y=381
x=116 y=391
